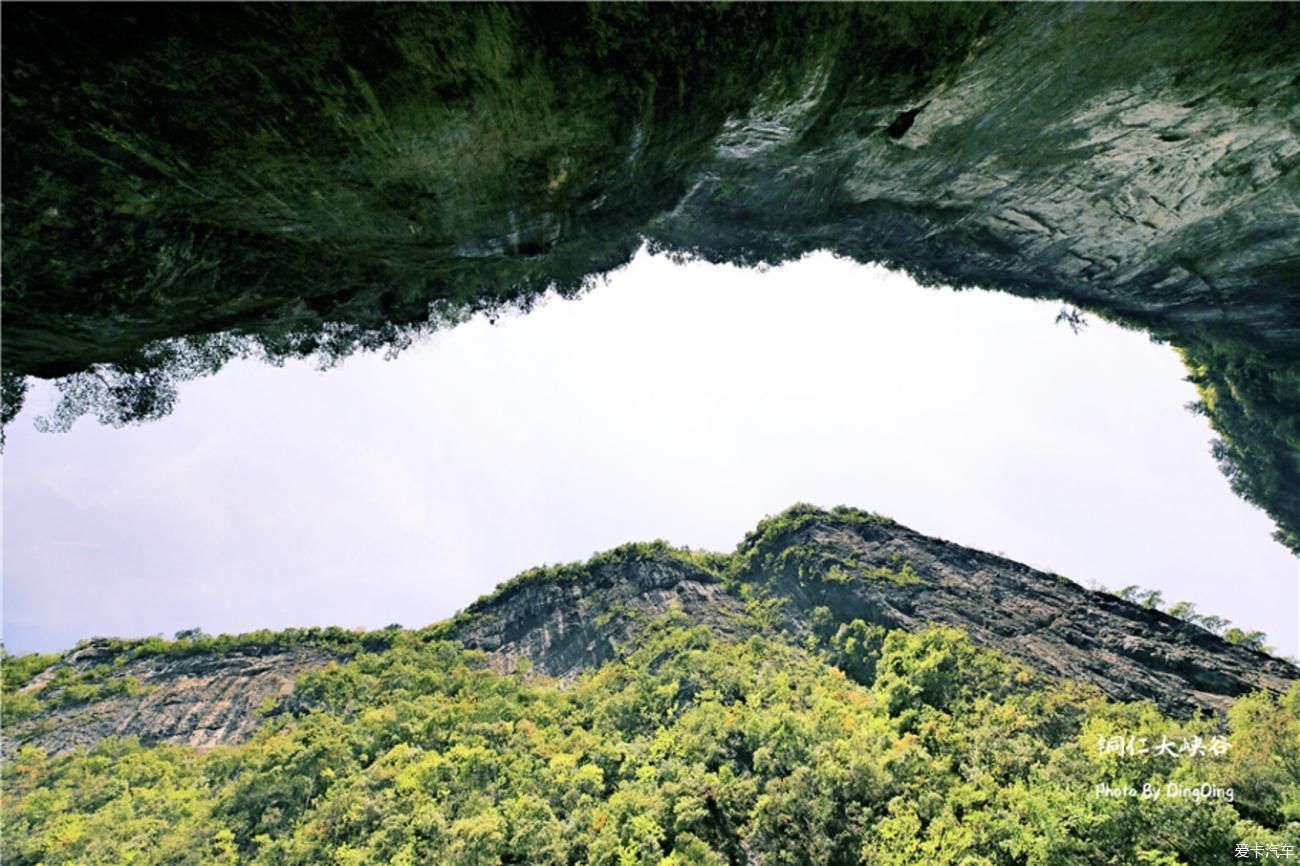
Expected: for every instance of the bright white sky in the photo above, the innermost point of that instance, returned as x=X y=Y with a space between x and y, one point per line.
x=675 y=402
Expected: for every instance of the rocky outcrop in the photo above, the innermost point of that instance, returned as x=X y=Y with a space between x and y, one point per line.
x=565 y=627
x=318 y=177
x=785 y=579
x=1046 y=621
x=201 y=700
x=885 y=574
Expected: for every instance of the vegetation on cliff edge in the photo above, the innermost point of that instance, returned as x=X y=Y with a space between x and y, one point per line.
x=689 y=750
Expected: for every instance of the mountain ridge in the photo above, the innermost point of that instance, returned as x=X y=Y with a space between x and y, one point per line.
x=864 y=566
x=805 y=576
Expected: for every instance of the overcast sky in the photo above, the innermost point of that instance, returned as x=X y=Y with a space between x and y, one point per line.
x=675 y=402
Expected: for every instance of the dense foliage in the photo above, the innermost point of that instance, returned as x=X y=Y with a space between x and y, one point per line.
x=187 y=184
x=1186 y=610
x=1253 y=403
x=379 y=167
x=691 y=749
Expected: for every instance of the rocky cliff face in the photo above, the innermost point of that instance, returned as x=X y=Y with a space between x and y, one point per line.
x=200 y=701
x=885 y=574
x=563 y=628
x=319 y=177
x=1045 y=620
x=798 y=575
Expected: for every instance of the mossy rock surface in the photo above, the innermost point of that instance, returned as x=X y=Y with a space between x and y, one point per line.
x=184 y=184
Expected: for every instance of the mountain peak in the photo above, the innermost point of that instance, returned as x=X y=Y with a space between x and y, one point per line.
x=857 y=565
x=807 y=577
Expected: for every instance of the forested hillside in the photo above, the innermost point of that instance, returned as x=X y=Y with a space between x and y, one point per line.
x=864 y=747
x=796 y=702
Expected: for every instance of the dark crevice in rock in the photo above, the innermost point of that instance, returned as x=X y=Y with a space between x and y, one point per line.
x=901 y=124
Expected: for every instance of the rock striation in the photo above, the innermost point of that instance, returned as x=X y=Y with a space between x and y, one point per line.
x=1047 y=621
x=789 y=576
x=201 y=700
x=888 y=575
x=562 y=628
x=306 y=178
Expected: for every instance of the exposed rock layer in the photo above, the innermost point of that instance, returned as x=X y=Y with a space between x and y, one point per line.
x=200 y=701
x=1046 y=621
x=564 y=622
x=315 y=176
x=562 y=629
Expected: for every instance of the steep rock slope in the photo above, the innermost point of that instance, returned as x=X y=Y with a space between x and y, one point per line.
x=200 y=700
x=864 y=566
x=565 y=626
x=798 y=576
x=861 y=566
x=318 y=177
